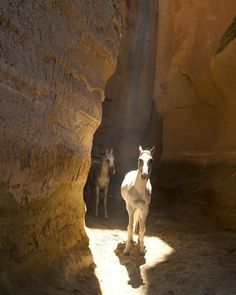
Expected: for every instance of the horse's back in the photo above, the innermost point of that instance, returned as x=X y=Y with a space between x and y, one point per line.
x=94 y=171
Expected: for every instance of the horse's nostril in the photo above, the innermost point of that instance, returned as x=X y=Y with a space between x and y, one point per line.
x=144 y=175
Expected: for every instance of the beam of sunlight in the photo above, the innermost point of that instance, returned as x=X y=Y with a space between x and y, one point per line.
x=119 y=274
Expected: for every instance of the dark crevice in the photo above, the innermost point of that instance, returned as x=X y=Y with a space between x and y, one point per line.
x=228 y=36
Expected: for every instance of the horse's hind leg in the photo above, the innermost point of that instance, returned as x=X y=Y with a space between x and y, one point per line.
x=129 y=229
x=97 y=201
x=105 y=202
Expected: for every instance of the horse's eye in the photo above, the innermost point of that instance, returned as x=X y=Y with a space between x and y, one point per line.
x=108 y=161
x=150 y=161
x=140 y=161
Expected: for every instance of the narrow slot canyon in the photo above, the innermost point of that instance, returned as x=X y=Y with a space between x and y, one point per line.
x=81 y=77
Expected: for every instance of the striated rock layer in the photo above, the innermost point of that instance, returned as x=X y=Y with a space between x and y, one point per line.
x=56 y=57
x=195 y=96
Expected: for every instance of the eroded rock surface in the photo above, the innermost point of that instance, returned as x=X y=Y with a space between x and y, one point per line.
x=195 y=95
x=56 y=57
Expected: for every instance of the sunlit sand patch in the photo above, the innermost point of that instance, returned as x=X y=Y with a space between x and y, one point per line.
x=119 y=274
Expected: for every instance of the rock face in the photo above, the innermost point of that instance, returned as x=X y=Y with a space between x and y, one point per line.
x=56 y=57
x=195 y=96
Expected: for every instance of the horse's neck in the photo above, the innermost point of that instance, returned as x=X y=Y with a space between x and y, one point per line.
x=104 y=168
x=140 y=184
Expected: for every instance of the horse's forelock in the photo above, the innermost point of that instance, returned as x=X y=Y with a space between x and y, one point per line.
x=145 y=152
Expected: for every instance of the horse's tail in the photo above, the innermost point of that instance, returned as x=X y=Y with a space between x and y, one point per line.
x=137 y=217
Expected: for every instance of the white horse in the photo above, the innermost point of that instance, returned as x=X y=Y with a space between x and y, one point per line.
x=136 y=190
x=99 y=178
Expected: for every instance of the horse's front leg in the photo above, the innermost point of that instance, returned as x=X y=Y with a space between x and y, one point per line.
x=142 y=230
x=129 y=229
x=97 y=200
x=105 y=202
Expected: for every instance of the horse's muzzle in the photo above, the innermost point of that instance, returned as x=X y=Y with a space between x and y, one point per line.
x=113 y=171
x=145 y=176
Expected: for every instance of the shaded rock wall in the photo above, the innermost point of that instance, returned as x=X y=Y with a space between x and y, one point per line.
x=129 y=114
x=195 y=96
x=56 y=57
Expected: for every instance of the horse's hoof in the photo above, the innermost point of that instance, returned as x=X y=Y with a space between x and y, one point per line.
x=142 y=252
x=106 y=217
x=126 y=251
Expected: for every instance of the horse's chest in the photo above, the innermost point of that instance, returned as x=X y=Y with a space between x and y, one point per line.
x=103 y=181
x=139 y=196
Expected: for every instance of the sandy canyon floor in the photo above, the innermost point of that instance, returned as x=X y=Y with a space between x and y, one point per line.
x=186 y=254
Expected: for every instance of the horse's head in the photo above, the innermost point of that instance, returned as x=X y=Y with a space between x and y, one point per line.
x=145 y=162
x=109 y=158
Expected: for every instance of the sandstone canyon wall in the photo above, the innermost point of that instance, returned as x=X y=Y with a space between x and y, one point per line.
x=173 y=86
x=56 y=57
x=195 y=97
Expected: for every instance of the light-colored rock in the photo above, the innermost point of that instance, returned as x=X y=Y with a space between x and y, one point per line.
x=195 y=96
x=193 y=108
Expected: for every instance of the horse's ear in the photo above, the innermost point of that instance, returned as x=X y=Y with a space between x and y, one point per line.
x=152 y=150
x=140 y=149
x=111 y=151
x=107 y=152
